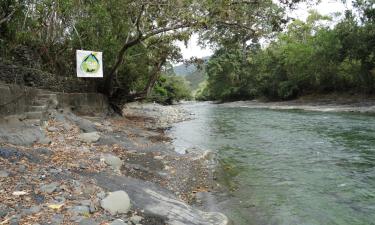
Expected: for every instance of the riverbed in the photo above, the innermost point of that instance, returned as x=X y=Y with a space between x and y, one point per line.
x=287 y=167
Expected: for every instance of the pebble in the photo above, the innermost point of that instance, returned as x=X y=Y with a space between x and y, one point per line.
x=22 y=168
x=116 y=202
x=52 y=129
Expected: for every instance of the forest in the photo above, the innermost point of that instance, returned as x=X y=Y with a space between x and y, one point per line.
x=309 y=57
x=138 y=41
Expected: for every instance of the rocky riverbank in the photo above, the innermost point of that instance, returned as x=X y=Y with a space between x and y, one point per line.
x=115 y=170
x=323 y=103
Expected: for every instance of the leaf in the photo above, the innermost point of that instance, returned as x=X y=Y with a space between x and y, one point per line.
x=55 y=206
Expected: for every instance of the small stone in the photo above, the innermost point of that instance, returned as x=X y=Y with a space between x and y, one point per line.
x=158 y=157
x=113 y=161
x=116 y=202
x=57 y=219
x=80 y=210
x=52 y=129
x=136 y=219
x=101 y=195
x=49 y=188
x=4 y=173
x=89 y=137
x=32 y=210
x=88 y=221
x=118 y=222
x=22 y=168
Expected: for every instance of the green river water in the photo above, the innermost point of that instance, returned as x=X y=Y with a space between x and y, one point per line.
x=288 y=167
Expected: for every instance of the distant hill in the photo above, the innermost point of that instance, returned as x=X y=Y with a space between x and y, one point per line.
x=191 y=73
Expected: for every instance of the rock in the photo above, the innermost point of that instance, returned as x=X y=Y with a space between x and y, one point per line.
x=22 y=168
x=136 y=219
x=116 y=202
x=88 y=221
x=57 y=219
x=32 y=210
x=89 y=137
x=113 y=161
x=45 y=141
x=118 y=222
x=52 y=129
x=4 y=210
x=80 y=210
x=158 y=157
x=49 y=188
x=4 y=173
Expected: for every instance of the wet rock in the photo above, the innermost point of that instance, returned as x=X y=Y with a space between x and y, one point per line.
x=116 y=202
x=113 y=161
x=49 y=188
x=118 y=222
x=88 y=221
x=89 y=137
x=136 y=219
x=4 y=173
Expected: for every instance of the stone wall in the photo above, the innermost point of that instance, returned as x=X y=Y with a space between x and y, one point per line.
x=15 y=99
x=83 y=103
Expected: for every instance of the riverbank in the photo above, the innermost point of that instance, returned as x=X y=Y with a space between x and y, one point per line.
x=75 y=169
x=320 y=103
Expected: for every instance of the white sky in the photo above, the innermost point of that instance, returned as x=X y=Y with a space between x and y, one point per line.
x=326 y=7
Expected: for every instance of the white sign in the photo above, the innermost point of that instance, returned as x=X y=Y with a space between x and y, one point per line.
x=89 y=64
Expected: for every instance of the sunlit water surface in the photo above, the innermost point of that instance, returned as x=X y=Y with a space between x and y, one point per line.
x=288 y=167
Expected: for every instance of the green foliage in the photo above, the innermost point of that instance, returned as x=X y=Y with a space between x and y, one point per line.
x=170 y=89
x=308 y=58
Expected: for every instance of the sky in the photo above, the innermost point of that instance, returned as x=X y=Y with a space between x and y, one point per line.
x=326 y=7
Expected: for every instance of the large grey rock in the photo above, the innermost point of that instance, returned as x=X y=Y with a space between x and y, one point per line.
x=89 y=137
x=116 y=202
x=113 y=161
x=159 y=202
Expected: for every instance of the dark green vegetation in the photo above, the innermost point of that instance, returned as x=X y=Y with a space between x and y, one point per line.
x=309 y=57
x=137 y=37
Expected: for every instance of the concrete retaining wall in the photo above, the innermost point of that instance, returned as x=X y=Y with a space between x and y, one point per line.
x=15 y=99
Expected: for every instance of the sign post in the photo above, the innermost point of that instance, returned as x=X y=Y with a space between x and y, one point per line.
x=89 y=64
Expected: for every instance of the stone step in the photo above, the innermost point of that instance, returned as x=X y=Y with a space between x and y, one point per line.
x=40 y=102
x=34 y=115
x=35 y=122
x=46 y=96
x=37 y=108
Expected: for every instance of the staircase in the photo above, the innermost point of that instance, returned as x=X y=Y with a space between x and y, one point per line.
x=43 y=101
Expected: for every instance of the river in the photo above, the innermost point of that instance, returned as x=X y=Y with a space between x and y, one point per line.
x=285 y=167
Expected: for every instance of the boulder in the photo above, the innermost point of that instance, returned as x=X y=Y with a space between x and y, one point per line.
x=89 y=137
x=116 y=202
x=113 y=161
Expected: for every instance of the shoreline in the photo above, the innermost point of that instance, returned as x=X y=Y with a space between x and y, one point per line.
x=320 y=103
x=130 y=153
